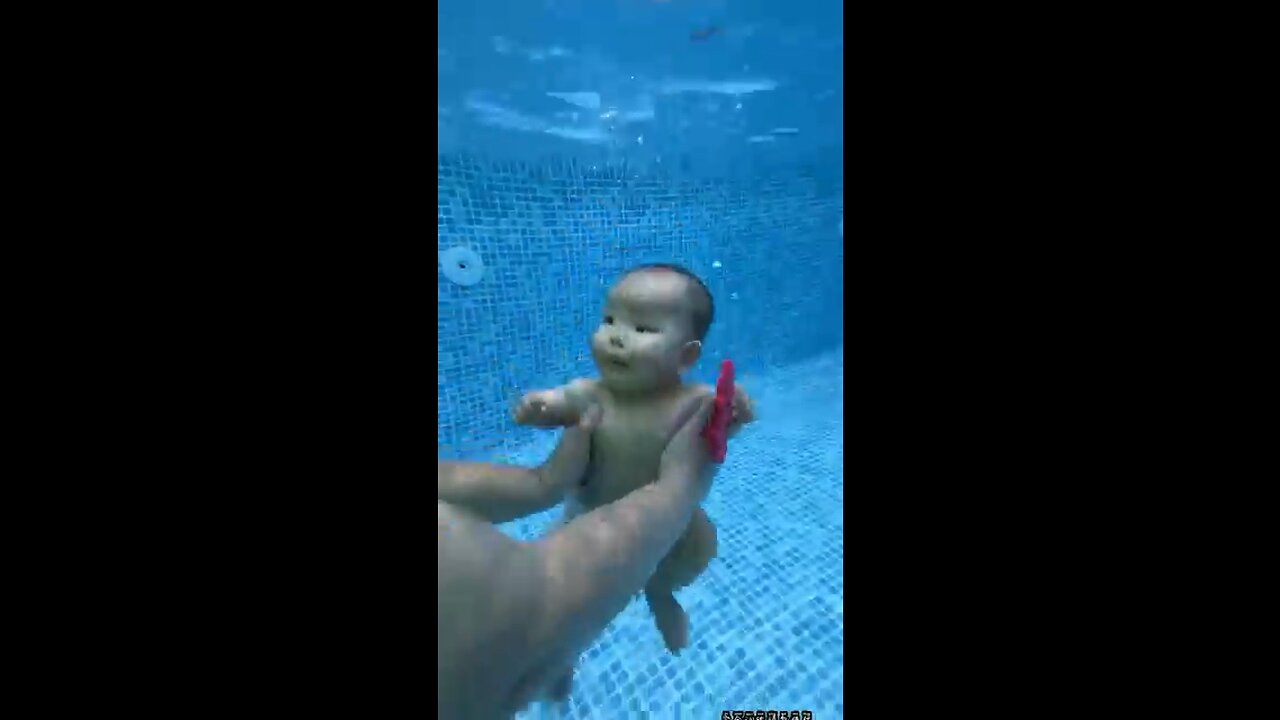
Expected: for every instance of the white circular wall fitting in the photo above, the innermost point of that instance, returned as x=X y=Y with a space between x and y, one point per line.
x=462 y=265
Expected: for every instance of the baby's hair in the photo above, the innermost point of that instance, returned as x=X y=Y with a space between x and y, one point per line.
x=704 y=307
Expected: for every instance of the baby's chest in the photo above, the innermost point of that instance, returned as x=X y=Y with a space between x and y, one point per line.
x=626 y=449
x=633 y=436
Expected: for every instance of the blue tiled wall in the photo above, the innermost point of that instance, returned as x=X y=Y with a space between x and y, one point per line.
x=554 y=235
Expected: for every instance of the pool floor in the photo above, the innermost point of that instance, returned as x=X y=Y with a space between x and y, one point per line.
x=766 y=620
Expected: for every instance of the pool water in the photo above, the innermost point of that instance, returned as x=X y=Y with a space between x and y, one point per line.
x=767 y=617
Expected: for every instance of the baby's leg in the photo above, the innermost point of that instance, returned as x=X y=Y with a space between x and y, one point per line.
x=686 y=561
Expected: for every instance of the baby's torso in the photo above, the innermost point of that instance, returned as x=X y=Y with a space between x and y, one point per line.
x=627 y=445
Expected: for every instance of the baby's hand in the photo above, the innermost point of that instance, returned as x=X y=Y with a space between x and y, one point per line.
x=541 y=408
x=744 y=409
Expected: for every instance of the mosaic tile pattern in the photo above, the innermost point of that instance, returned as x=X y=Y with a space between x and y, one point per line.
x=553 y=236
x=767 y=617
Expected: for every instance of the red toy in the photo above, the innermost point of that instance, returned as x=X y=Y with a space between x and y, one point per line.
x=717 y=429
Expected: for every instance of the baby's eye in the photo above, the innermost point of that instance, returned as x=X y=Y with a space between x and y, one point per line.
x=645 y=329
x=608 y=319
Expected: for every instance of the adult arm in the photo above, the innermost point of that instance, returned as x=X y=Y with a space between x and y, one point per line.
x=512 y=615
x=498 y=493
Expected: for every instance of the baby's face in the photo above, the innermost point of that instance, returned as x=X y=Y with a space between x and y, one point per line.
x=641 y=342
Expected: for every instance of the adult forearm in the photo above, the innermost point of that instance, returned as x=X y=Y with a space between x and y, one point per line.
x=496 y=493
x=629 y=537
x=600 y=560
x=499 y=493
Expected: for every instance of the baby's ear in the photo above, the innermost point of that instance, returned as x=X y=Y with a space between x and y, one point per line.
x=689 y=354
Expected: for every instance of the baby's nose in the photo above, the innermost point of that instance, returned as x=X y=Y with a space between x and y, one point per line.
x=615 y=341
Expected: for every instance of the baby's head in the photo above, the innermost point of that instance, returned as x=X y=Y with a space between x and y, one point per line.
x=655 y=318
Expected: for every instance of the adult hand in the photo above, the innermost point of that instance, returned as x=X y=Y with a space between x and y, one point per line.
x=686 y=457
x=499 y=492
x=568 y=463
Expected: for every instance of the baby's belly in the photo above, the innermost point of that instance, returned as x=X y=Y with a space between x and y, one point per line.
x=611 y=481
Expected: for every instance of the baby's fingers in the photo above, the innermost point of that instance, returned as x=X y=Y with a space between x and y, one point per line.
x=744 y=411
x=528 y=410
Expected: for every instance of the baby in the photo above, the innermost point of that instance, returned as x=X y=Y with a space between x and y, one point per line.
x=655 y=318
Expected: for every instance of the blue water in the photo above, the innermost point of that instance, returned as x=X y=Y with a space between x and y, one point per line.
x=767 y=617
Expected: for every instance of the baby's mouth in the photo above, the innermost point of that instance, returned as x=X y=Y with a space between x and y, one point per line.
x=615 y=362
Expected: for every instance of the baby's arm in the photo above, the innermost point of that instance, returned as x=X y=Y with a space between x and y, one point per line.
x=557 y=407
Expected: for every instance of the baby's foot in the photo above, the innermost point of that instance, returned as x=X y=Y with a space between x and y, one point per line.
x=671 y=620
